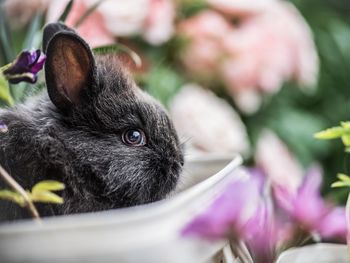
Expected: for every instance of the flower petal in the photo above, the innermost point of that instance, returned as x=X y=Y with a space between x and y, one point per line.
x=312 y=182
x=262 y=233
x=34 y=56
x=20 y=65
x=229 y=214
x=39 y=64
x=333 y=225
x=25 y=67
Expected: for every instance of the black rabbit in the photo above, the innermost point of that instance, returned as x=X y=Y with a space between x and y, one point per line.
x=109 y=142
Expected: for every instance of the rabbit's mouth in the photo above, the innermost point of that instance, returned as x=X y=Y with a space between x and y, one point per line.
x=169 y=179
x=140 y=188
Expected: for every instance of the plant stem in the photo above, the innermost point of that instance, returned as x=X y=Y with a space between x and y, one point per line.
x=240 y=251
x=3 y=68
x=19 y=189
x=347 y=216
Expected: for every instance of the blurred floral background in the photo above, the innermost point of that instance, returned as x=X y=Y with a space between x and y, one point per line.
x=254 y=77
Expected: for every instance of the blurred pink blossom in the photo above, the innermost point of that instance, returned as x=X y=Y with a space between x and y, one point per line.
x=93 y=30
x=247 y=211
x=308 y=209
x=229 y=214
x=159 y=24
x=210 y=123
x=114 y=18
x=265 y=53
x=333 y=225
x=256 y=55
x=277 y=162
x=242 y=212
x=206 y=32
x=124 y=18
x=263 y=233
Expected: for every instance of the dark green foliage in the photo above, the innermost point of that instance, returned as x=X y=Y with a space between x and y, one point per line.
x=66 y=11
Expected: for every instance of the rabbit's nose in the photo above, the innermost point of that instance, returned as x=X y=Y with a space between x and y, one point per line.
x=182 y=162
x=181 y=158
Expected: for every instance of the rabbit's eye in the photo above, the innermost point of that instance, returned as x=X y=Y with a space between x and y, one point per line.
x=134 y=137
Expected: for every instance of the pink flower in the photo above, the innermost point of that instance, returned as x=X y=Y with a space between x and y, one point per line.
x=159 y=23
x=210 y=124
x=333 y=226
x=153 y=19
x=124 y=18
x=277 y=162
x=242 y=212
x=112 y=18
x=93 y=29
x=266 y=53
x=262 y=233
x=308 y=210
x=205 y=32
x=255 y=56
x=266 y=223
x=229 y=214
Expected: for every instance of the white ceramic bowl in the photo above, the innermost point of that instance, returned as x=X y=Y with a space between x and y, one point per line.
x=320 y=253
x=149 y=233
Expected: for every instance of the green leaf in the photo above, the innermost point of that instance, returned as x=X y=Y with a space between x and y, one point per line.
x=163 y=82
x=344 y=181
x=12 y=196
x=345 y=125
x=346 y=140
x=343 y=177
x=18 y=90
x=5 y=94
x=66 y=11
x=295 y=127
x=5 y=38
x=191 y=7
x=331 y=133
x=48 y=185
x=340 y=34
x=115 y=48
x=46 y=197
x=41 y=192
x=340 y=184
x=87 y=13
x=32 y=31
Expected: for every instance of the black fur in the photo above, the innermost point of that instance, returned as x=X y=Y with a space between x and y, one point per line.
x=76 y=139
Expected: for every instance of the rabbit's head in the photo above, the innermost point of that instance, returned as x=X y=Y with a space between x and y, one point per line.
x=123 y=149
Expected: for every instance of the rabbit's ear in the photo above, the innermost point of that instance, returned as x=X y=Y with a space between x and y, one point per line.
x=51 y=29
x=69 y=69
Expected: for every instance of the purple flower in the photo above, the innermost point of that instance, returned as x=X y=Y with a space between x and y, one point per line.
x=242 y=212
x=308 y=210
x=333 y=225
x=25 y=67
x=246 y=211
x=262 y=233
x=228 y=216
